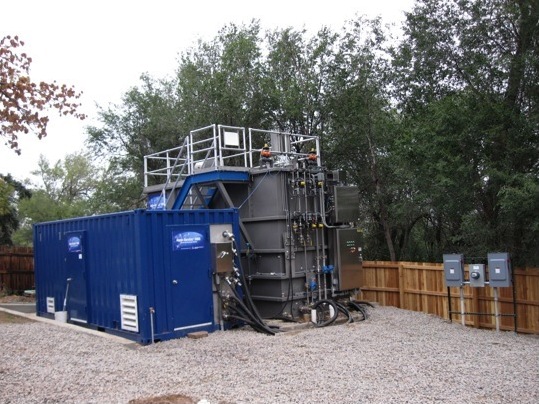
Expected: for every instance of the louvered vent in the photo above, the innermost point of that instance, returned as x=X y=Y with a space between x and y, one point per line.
x=128 y=306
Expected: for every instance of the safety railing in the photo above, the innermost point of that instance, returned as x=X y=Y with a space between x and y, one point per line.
x=167 y=165
x=218 y=146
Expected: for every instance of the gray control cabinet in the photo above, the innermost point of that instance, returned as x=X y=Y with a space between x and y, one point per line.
x=346 y=204
x=499 y=270
x=454 y=269
x=347 y=256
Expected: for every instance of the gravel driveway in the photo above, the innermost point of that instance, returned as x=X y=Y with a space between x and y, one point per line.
x=395 y=356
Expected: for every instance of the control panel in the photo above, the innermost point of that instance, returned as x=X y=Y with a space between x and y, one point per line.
x=454 y=269
x=499 y=270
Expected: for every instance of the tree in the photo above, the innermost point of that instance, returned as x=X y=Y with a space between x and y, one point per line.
x=361 y=137
x=11 y=192
x=471 y=66
x=295 y=80
x=24 y=102
x=219 y=81
x=74 y=187
x=146 y=122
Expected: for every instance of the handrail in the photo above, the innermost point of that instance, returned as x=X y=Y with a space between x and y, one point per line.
x=224 y=146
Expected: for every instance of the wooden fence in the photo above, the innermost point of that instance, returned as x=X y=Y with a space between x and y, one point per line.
x=16 y=269
x=421 y=287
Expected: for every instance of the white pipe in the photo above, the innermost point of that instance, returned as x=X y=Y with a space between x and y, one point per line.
x=462 y=311
x=152 y=311
x=496 y=314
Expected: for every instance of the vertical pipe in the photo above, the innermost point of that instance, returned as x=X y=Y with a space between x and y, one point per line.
x=152 y=311
x=449 y=304
x=306 y=224
x=496 y=314
x=462 y=305
x=514 y=300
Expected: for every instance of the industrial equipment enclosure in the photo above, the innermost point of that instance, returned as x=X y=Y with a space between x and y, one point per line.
x=145 y=275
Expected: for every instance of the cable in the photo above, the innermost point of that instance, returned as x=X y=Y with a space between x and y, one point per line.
x=327 y=304
x=363 y=302
x=344 y=310
x=359 y=308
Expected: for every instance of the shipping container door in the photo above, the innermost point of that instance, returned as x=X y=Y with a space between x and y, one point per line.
x=189 y=278
x=76 y=276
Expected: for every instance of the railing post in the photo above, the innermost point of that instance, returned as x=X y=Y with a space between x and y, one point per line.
x=217 y=150
x=145 y=171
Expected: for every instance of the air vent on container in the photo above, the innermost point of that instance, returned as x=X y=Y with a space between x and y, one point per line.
x=129 y=312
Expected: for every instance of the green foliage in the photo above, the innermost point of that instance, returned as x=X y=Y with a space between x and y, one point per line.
x=11 y=192
x=439 y=130
x=465 y=77
x=75 y=187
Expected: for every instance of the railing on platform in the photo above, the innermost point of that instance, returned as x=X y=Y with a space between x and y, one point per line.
x=218 y=146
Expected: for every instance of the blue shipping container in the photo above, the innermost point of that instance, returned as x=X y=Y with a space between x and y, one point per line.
x=145 y=275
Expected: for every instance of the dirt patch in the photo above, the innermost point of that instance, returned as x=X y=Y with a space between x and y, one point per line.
x=168 y=399
x=7 y=318
x=16 y=299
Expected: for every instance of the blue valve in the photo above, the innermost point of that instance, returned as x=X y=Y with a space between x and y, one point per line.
x=327 y=269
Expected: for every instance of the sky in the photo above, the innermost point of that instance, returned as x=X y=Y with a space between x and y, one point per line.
x=103 y=46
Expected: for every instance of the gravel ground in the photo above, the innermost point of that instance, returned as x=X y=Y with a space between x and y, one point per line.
x=395 y=356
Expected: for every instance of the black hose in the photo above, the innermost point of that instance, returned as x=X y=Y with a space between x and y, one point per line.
x=247 y=312
x=356 y=306
x=245 y=289
x=244 y=311
x=330 y=320
x=247 y=317
x=345 y=311
x=363 y=302
x=255 y=326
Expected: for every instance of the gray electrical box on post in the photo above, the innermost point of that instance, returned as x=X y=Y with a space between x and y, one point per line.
x=454 y=269
x=499 y=270
x=477 y=275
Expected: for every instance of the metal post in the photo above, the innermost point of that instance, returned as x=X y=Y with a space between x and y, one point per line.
x=152 y=311
x=496 y=315
x=514 y=301
x=449 y=304
x=462 y=311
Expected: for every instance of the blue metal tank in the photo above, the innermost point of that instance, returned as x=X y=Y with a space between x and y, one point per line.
x=145 y=275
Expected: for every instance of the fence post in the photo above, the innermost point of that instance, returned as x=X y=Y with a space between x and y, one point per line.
x=401 y=285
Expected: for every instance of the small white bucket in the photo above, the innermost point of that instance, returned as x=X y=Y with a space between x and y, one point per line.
x=60 y=316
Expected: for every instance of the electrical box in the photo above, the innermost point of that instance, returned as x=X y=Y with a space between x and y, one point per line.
x=222 y=249
x=222 y=257
x=346 y=204
x=499 y=270
x=345 y=245
x=477 y=275
x=454 y=269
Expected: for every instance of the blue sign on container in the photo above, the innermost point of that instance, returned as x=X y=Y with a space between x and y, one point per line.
x=187 y=240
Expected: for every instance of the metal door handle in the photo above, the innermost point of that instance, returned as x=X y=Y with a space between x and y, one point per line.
x=174 y=282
